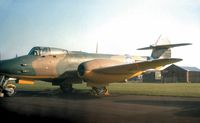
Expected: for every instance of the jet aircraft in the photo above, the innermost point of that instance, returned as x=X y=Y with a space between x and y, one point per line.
x=64 y=68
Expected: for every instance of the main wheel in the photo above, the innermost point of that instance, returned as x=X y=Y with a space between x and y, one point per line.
x=66 y=88
x=100 y=91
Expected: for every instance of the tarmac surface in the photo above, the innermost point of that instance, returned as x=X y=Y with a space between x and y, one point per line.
x=45 y=106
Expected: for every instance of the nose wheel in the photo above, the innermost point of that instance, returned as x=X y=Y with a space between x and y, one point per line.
x=6 y=89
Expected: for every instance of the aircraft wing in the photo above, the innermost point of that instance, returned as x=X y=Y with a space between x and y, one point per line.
x=117 y=72
x=136 y=67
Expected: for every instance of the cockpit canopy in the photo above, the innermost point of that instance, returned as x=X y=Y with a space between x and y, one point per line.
x=44 y=51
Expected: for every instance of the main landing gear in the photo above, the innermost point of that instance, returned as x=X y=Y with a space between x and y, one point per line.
x=97 y=91
x=100 y=91
x=6 y=89
x=66 y=87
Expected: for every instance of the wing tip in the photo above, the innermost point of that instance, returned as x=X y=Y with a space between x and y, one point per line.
x=171 y=60
x=177 y=59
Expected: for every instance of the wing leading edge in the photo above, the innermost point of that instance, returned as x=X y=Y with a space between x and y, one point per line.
x=136 y=67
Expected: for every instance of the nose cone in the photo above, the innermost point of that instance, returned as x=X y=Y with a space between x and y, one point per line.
x=3 y=66
x=7 y=66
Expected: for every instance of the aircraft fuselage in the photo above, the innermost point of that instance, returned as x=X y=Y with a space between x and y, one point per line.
x=54 y=67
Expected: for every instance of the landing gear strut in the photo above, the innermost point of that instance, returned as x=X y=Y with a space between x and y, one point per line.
x=66 y=87
x=100 y=91
x=6 y=89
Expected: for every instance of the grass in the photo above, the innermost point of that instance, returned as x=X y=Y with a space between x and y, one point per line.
x=158 y=89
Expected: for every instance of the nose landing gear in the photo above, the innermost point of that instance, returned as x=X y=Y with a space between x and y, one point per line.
x=6 y=89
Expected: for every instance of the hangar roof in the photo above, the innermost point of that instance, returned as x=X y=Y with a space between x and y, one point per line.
x=190 y=68
x=187 y=68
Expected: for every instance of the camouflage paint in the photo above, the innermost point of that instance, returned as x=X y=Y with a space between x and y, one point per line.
x=49 y=67
x=63 y=67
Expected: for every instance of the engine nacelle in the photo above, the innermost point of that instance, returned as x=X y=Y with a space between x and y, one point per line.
x=87 y=72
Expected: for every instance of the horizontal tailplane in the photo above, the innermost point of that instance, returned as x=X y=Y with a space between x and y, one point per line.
x=162 y=48
x=167 y=46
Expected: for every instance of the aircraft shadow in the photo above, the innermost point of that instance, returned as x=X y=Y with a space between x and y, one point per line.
x=33 y=103
x=76 y=94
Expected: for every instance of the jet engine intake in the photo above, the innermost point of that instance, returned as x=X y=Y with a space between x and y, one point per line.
x=86 y=70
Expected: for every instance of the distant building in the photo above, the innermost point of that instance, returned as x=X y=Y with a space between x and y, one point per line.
x=173 y=73
x=152 y=76
x=176 y=73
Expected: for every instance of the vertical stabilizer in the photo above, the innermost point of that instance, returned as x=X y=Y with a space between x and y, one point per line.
x=164 y=52
x=162 y=41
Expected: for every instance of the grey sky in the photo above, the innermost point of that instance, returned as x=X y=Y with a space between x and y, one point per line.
x=120 y=26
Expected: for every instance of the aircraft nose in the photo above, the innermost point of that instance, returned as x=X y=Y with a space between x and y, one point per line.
x=2 y=67
x=5 y=67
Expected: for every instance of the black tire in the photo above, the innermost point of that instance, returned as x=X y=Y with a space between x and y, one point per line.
x=66 y=88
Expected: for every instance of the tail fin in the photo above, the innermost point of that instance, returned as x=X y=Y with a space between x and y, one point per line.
x=162 y=48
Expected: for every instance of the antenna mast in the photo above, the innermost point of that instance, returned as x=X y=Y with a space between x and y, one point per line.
x=97 y=47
